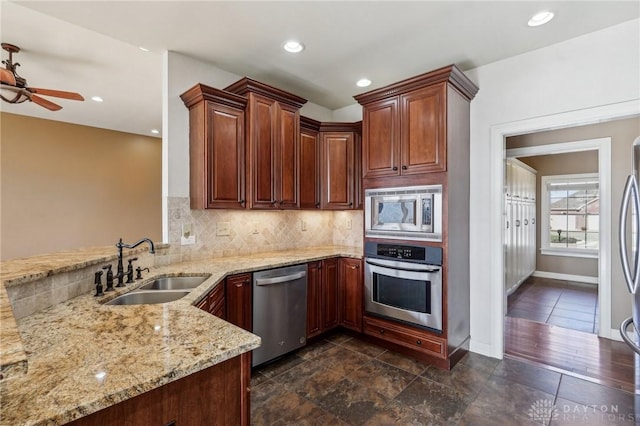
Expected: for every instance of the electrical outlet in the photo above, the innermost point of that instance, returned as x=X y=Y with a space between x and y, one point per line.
x=348 y=224
x=187 y=237
x=254 y=228
x=303 y=225
x=223 y=229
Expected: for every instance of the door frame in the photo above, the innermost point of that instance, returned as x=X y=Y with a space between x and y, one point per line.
x=603 y=147
x=497 y=154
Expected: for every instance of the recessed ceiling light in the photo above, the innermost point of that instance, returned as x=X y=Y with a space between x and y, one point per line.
x=144 y=49
x=363 y=82
x=540 y=18
x=293 y=46
x=97 y=99
x=155 y=131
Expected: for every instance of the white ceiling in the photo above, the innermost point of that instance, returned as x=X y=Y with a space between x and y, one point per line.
x=92 y=47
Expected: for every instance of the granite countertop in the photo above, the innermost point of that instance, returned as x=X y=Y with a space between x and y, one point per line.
x=84 y=356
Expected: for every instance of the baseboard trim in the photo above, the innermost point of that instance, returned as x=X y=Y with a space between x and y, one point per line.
x=615 y=335
x=483 y=349
x=566 y=277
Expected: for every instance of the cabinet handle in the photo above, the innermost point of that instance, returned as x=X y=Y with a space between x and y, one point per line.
x=395 y=168
x=404 y=167
x=274 y=202
x=241 y=201
x=317 y=205
x=350 y=204
x=418 y=342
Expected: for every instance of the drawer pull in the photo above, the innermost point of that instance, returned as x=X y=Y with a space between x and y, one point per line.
x=418 y=342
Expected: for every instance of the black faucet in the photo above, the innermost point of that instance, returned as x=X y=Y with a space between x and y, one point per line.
x=120 y=245
x=130 y=270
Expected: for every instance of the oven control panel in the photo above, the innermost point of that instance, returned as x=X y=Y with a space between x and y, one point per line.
x=418 y=254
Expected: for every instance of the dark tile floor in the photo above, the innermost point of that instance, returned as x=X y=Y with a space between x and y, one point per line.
x=344 y=381
x=566 y=304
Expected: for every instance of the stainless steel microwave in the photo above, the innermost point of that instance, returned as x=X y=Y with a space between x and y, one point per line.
x=406 y=213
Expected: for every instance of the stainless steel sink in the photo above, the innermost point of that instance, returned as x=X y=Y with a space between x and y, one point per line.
x=174 y=283
x=148 y=297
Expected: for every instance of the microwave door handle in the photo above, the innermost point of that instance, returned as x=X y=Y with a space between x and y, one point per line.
x=404 y=267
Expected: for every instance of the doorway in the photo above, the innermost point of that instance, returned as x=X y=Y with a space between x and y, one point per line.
x=554 y=232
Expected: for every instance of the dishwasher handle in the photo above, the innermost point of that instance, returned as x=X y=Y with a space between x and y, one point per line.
x=282 y=279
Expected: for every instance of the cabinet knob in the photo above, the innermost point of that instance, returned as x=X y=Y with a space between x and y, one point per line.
x=317 y=205
x=241 y=201
x=404 y=167
x=418 y=342
x=382 y=331
x=350 y=204
x=274 y=202
x=395 y=168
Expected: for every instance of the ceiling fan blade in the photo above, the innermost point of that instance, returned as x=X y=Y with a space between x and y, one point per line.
x=45 y=103
x=7 y=77
x=57 y=93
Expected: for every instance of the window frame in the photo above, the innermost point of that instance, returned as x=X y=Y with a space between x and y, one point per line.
x=545 y=248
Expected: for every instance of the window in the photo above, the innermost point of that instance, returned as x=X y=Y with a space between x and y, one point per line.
x=570 y=215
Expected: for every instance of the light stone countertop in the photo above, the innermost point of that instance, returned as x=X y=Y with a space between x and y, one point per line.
x=84 y=356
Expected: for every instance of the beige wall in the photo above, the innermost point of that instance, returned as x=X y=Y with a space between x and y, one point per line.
x=66 y=186
x=560 y=164
x=622 y=134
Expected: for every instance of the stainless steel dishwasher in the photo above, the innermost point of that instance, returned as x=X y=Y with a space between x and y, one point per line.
x=279 y=311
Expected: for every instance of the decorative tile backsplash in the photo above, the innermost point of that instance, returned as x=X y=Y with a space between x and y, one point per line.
x=254 y=231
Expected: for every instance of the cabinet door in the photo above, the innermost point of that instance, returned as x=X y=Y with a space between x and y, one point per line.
x=330 y=292
x=338 y=170
x=309 y=168
x=380 y=134
x=314 y=299
x=263 y=152
x=350 y=281
x=422 y=135
x=287 y=157
x=221 y=183
x=239 y=300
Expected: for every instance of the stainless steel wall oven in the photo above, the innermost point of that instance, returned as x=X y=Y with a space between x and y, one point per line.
x=404 y=283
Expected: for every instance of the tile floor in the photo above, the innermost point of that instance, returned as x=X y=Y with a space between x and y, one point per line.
x=344 y=381
x=563 y=303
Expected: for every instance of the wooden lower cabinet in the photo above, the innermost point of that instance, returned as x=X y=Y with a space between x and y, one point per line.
x=238 y=303
x=350 y=281
x=215 y=302
x=218 y=395
x=406 y=336
x=322 y=296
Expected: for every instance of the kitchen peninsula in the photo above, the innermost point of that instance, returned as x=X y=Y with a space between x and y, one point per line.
x=83 y=357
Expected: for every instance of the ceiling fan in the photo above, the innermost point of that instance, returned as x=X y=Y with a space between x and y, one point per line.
x=12 y=82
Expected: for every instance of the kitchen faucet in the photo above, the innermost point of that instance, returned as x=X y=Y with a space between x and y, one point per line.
x=120 y=245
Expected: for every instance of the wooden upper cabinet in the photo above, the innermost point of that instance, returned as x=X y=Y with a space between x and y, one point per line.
x=405 y=124
x=272 y=144
x=309 y=164
x=380 y=129
x=340 y=166
x=216 y=147
x=422 y=131
x=338 y=182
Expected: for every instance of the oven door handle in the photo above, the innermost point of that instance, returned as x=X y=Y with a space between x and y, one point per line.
x=403 y=266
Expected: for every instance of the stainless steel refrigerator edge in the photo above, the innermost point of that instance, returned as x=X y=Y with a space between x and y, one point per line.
x=279 y=311
x=631 y=263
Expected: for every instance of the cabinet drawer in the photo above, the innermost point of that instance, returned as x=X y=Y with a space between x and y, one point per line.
x=405 y=336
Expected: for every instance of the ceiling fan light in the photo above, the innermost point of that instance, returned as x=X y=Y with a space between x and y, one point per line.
x=540 y=18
